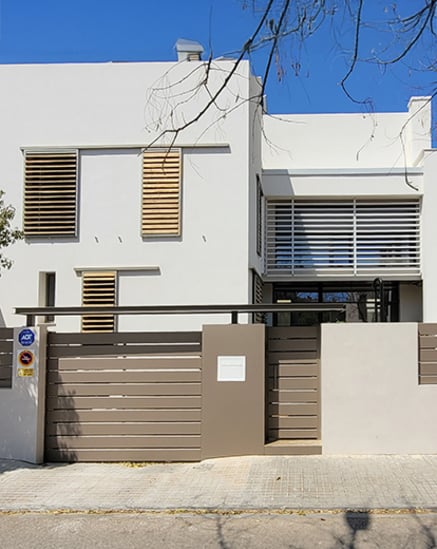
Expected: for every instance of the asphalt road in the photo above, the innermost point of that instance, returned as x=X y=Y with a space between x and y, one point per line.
x=217 y=530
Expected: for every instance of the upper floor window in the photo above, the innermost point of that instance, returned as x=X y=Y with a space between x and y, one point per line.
x=50 y=193
x=343 y=237
x=161 y=201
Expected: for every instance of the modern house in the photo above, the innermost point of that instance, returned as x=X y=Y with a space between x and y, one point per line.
x=119 y=208
x=165 y=184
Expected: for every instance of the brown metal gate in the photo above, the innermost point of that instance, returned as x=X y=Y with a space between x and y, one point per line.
x=6 y=351
x=123 y=397
x=293 y=383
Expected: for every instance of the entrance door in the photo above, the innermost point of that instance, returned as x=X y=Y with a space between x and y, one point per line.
x=293 y=383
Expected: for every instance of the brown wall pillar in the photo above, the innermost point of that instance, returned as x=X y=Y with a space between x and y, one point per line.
x=233 y=407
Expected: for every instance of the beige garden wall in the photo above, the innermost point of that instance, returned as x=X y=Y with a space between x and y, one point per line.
x=371 y=400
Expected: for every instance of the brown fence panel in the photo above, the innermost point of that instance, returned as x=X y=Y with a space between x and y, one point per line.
x=124 y=397
x=427 y=354
x=6 y=358
x=293 y=383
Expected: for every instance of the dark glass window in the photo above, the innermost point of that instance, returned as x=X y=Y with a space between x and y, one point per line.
x=362 y=302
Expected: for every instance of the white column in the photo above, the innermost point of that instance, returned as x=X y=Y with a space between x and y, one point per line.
x=429 y=237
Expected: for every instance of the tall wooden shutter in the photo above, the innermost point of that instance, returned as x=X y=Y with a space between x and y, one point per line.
x=50 y=193
x=161 y=205
x=99 y=290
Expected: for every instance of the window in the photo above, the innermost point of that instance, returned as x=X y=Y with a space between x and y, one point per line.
x=361 y=299
x=99 y=290
x=47 y=292
x=50 y=193
x=161 y=202
x=343 y=237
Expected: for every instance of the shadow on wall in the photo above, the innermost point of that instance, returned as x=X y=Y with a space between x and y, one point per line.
x=60 y=432
x=2 y=320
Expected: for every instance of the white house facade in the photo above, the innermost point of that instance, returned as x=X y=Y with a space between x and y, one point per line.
x=349 y=209
x=118 y=208
x=165 y=184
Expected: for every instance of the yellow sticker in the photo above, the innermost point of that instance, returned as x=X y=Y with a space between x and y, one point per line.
x=25 y=372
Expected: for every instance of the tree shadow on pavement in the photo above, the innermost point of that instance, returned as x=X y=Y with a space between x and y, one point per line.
x=356 y=522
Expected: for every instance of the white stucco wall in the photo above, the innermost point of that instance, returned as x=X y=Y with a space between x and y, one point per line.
x=417 y=134
x=429 y=237
x=255 y=168
x=99 y=108
x=371 y=400
x=367 y=140
x=342 y=184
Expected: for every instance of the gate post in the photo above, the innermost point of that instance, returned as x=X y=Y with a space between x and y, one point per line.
x=22 y=407
x=233 y=377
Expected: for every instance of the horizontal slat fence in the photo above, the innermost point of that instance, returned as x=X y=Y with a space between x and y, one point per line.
x=427 y=354
x=124 y=397
x=293 y=383
x=6 y=352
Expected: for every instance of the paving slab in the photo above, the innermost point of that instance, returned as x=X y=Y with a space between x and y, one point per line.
x=241 y=483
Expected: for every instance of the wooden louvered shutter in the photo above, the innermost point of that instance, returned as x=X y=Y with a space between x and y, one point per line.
x=257 y=296
x=50 y=193
x=99 y=290
x=161 y=205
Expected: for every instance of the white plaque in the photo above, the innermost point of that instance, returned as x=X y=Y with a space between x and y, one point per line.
x=231 y=368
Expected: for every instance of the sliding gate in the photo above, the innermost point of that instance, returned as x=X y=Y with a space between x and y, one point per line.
x=123 y=397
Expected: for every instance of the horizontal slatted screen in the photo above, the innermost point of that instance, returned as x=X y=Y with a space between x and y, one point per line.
x=50 y=193
x=117 y=397
x=161 y=204
x=6 y=357
x=427 y=354
x=99 y=290
x=343 y=237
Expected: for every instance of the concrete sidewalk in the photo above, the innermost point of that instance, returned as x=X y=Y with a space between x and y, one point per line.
x=243 y=483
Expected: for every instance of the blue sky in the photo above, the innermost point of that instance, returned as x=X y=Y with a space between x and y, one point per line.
x=146 y=30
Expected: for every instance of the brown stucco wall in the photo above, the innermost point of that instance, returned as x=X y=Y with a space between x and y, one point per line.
x=233 y=411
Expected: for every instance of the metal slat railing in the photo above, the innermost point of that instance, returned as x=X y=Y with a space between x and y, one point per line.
x=234 y=310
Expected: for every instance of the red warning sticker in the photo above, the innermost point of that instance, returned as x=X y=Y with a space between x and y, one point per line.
x=26 y=358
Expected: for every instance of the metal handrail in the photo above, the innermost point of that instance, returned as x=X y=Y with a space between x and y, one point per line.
x=234 y=310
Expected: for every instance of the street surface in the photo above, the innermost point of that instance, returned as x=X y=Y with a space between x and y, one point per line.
x=256 y=530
